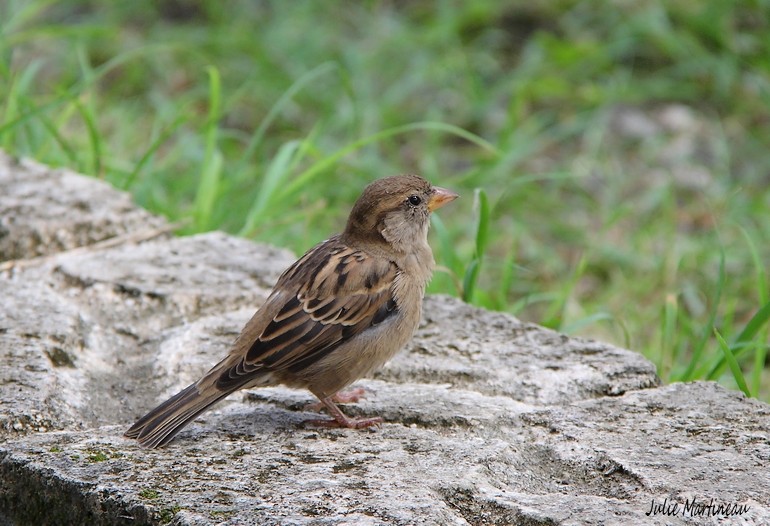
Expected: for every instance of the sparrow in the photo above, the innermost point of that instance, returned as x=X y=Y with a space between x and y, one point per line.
x=338 y=313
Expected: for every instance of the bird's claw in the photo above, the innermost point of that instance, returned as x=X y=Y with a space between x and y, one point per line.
x=350 y=423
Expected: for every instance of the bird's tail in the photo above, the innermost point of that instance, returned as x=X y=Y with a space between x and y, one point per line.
x=159 y=426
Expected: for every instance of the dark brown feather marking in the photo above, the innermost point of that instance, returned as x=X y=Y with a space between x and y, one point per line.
x=385 y=312
x=278 y=327
x=276 y=360
x=266 y=347
x=312 y=357
x=318 y=353
x=324 y=312
x=291 y=307
x=341 y=279
x=317 y=268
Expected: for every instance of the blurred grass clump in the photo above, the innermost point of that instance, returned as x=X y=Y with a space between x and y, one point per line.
x=613 y=156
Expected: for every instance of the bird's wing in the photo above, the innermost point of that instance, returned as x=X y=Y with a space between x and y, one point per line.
x=331 y=294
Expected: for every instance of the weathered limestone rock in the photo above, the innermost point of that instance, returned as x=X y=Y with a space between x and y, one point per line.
x=44 y=210
x=488 y=420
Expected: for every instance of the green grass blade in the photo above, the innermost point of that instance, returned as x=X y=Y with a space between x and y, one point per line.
x=700 y=345
x=471 y=275
x=760 y=349
x=507 y=275
x=760 y=355
x=733 y=363
x=208 y=185
x=164 y=136
x=742 y=343
x=761 y=273
x=86 y=110
x=534 y=299
x=555 y=315
x=276 y=173
x=53 y=130
x=22 y=118
x=587 y=321
x=24 y=13
x=469 y=279
x=275 y=109
x=754 y=325
x=481 y=206
x=10 y=110
x=667 y=356
x=447 y=255
x=94 y=139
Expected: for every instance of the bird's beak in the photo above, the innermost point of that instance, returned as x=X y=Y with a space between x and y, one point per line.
x=439 y=197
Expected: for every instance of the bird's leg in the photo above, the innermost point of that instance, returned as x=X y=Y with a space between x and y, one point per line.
x=340 y=420
x=345 y=397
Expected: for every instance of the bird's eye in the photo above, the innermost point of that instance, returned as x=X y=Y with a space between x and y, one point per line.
x=415 y=200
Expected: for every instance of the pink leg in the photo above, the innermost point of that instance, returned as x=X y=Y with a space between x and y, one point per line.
x=345 y=397
x=340 y=420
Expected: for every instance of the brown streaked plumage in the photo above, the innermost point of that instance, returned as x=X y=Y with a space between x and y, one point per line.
x=341 y=311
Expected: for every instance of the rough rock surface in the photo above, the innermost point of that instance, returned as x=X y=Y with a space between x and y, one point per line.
x=488 y=420
x=44 y=210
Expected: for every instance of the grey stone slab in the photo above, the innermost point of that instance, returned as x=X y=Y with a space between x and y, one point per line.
x=44 y=210
x=456 y=457
x=493 y=353
x=80 y=332
x=488 y=420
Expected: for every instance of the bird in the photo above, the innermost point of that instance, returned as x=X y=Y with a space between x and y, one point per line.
x=337 y=314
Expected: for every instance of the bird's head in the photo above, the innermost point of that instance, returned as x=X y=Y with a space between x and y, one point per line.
x=395 y=210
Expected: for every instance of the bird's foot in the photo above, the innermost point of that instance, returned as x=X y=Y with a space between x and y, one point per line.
x=340 y=420
x=350 y=423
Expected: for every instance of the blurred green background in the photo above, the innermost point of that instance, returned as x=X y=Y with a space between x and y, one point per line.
x=612 y=155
